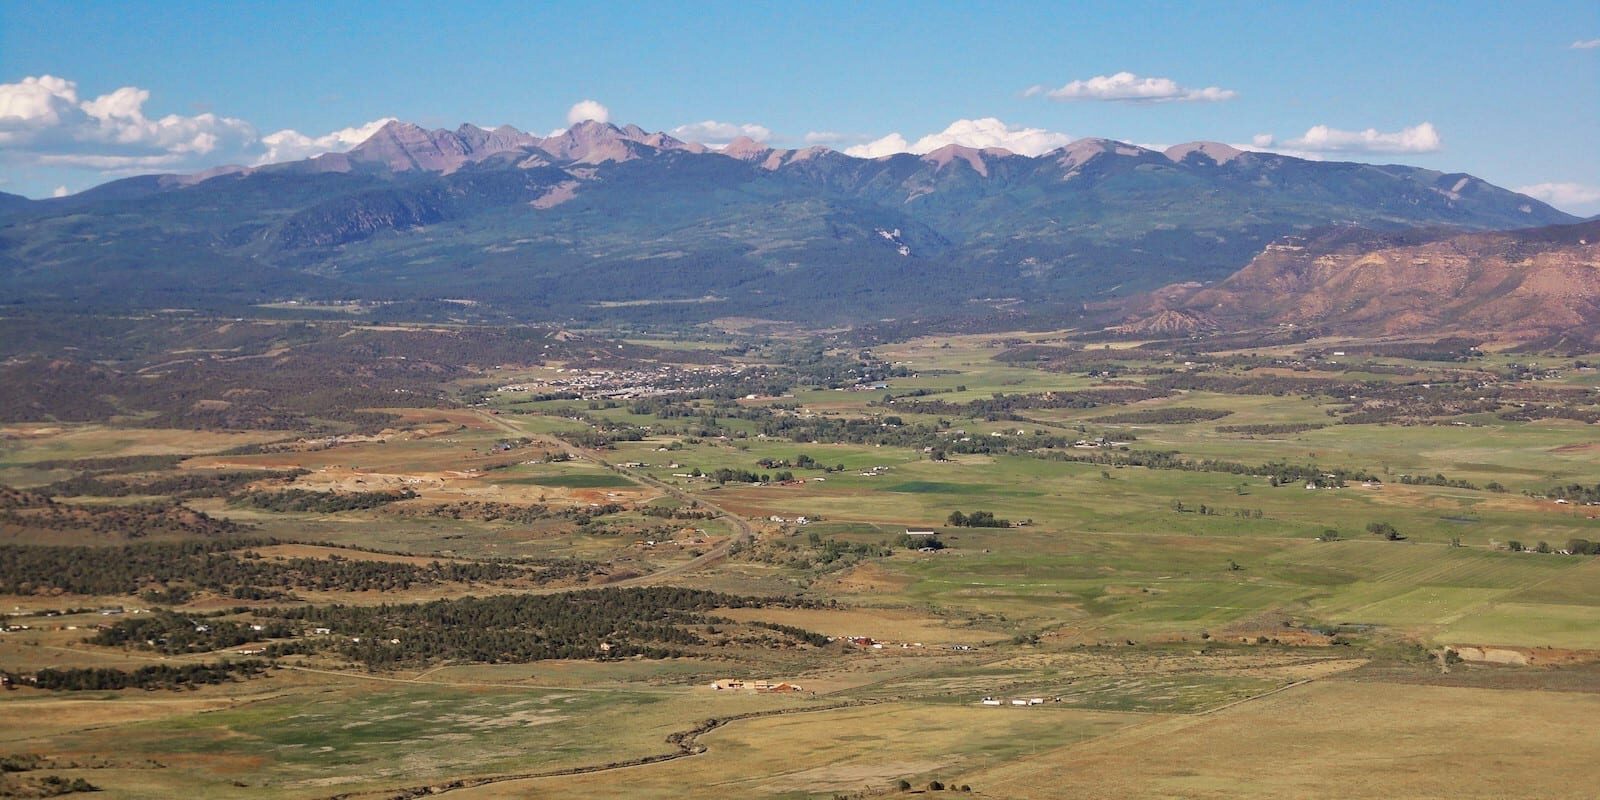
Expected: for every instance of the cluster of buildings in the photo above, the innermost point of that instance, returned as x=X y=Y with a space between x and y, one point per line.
x=759 y=687
x=872 y=644
x=1017 y=701
x=624 y=384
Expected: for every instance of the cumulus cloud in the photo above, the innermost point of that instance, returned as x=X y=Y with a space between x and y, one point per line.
x=1586 y=44
x=1130 y=88
x=45 y=122
x=886 y=146
x=292 y=145
x=44 y=116
x=587 y=110
x=1563 y=195
x=1423 y=138
x=712 y=132
x=985 y=132
x=60 y=191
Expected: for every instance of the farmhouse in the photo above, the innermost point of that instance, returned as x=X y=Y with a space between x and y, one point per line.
x=759 y=687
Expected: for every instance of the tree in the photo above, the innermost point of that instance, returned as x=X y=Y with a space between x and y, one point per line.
x=956 y=519
x=1385 y=530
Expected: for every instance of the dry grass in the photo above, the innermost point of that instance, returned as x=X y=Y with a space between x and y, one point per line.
x=844 y=750
x=1334 y=739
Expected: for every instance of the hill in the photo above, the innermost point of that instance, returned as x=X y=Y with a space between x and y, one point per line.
x=1539 y=283
x=600 y=218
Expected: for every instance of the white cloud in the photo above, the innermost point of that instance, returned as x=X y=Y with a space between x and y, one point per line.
x=43 y=119
x=991 y=132
x=35 y=104
x=1267 y=143
x=1423 y=138
x=712 y=132
x=1130 y=88
x=44 y=122
x=587 y=110
x=986 y=132
x=292 y=145
x=61 y=191
x=1563 y=195
x=1586 y=44
x=824 y=137
x=886 y=146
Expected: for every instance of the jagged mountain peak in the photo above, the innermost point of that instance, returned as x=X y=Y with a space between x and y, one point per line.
x=402 y=146
x=594 y=142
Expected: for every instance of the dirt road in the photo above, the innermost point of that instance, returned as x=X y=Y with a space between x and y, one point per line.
x=743 y=530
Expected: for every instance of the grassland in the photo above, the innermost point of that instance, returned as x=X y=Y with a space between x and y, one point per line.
x=1332 y=738
x=1267 y=646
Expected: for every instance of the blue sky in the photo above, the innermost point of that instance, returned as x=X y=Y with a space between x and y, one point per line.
x=1509 y=92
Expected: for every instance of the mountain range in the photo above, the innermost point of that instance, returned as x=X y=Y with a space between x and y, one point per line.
x=601 y=221
x=1539 y=284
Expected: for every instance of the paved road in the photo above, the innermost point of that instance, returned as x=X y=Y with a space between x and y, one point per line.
x=743 y=530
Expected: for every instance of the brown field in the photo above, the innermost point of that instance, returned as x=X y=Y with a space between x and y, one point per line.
x=1332 y=739
x=818 y=752
x=28 y=718
x=41 y=442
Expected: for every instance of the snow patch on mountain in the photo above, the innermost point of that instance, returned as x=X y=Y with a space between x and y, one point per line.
x=893 y=237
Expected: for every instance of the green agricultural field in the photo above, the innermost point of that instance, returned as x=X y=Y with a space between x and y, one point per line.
x=1162 y=590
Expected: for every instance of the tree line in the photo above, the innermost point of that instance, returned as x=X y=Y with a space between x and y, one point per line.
x=315 y=502
x=227 y=566
x=184 y=485
x=155 y=676
x=976 y=519
x=653 y=622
